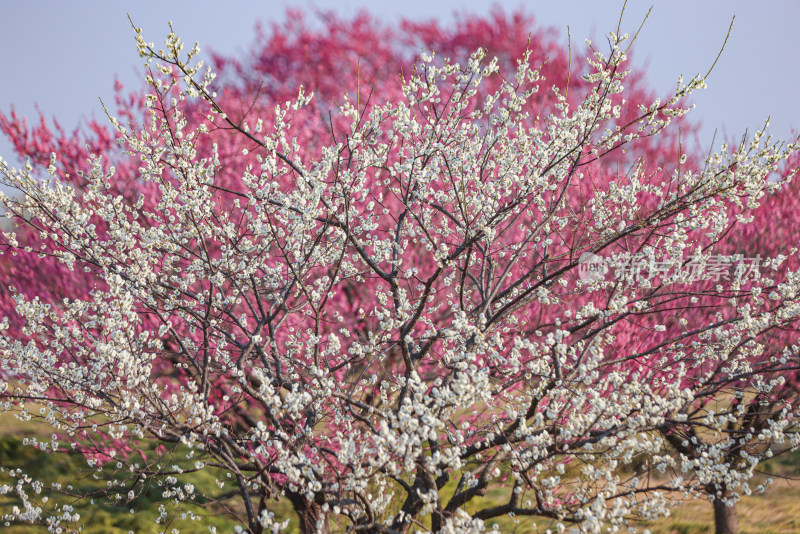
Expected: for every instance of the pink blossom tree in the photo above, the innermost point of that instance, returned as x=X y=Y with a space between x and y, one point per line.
x=374 y=302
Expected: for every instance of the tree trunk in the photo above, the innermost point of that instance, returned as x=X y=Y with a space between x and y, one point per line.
x=309 y=513
x=725 y=520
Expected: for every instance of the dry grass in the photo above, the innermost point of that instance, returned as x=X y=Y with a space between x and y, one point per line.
x=777 y=511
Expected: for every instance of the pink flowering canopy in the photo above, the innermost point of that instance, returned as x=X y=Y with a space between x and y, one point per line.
x=352 y=276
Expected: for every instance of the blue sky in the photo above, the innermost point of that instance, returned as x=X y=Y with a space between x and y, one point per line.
x=64 y=56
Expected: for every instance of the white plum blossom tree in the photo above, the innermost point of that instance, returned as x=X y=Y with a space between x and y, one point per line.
x=387 y=329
